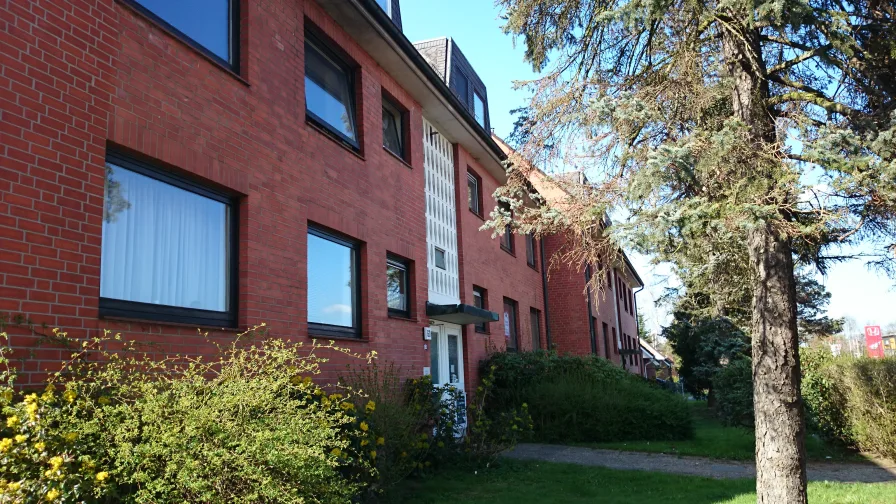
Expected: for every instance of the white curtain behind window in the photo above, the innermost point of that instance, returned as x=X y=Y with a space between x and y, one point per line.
x=163 y=245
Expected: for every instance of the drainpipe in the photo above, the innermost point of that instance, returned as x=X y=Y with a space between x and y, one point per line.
x=638 y=329
x=544 y=290
x=615 y=283
x=588 y=293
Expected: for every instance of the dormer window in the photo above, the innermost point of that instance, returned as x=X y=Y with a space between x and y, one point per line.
x=461 y=87
x=479 y=109
x=386 y=5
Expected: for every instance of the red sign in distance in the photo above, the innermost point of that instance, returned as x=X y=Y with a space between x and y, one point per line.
x=873 y=342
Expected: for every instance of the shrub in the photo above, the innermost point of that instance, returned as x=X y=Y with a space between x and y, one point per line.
x=824 y=396
x=247 y=426
x=733 y=388
x=869 y=386
x=585 y=399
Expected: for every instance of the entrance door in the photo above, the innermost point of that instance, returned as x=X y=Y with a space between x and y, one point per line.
x=447 y=368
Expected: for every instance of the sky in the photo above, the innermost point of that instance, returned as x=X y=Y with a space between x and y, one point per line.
x=857 y=292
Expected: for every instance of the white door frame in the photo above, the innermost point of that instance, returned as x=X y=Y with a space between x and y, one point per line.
x=441 y=332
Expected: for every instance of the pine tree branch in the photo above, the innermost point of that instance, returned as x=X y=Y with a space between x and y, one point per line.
x=808 y=94
x=806 y=55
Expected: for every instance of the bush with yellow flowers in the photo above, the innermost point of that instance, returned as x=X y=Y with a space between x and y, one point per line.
x=248 y=425
x=42 y=462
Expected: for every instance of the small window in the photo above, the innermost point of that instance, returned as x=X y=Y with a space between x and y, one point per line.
x=507 y=238
x=474 y=193
x=393 y=128
x=530 y=250
x=479 y=109
x=480 y=300
x=212 y=26
x=397 y=287
x=333 y=285
x=168 y=249
x=329 y=91
x=535 y=323
x=510 y=324
x=439 y=256
x=606 y=340
x=462 y=87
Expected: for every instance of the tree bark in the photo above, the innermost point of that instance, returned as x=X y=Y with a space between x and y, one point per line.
x=780 y=427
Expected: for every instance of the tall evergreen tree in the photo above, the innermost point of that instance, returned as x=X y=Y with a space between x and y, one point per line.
x=716 y=126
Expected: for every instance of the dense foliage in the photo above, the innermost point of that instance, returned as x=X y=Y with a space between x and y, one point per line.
x=733 y=388
x=585 y=399
x=853 y=400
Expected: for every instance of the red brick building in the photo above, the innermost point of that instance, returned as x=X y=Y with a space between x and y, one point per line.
x=293 y=162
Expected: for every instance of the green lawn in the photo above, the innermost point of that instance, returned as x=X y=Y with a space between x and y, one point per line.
x=513 y=482
x=714 y=440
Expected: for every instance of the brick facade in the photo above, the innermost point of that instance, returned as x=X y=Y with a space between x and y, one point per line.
x=81 y=78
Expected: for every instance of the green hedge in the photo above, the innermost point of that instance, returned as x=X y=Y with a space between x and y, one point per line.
x=733 y=389
x=852 y=400
x=585 y=399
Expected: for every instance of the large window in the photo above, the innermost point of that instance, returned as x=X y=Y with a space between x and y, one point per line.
x=329 y=91
x=333 y=284
x=530 y=250
x=168 y=250
x=462 y=87
x=511 y=324
x=393 y=128
x=397 y=285
x=606 y=340
x=474 y=193
x=480 y=300
x=479 y=109
x=535 y=324
x=211 y=26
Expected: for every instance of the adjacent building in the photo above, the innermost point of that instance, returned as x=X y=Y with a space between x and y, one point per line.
x=218 y=164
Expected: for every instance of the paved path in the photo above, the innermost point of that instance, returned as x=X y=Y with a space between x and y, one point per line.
x=877 y=472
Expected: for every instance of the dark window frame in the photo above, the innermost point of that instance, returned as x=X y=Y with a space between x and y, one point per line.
x=330 y=330
x=530 y=252
x=401 y=114
x=481 y=327
x=119 y=308
x=535 y=327
x=329 y=50
x=404 y=265
x=473 y=108
x=477 y=180
x=515 y=325
x=508 y=235
x=465 y=98
x=235 y=30
x=435 y=255
x=606 y=330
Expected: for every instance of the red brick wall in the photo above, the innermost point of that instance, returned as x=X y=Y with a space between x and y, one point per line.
x=80 y=75
x=484 y=263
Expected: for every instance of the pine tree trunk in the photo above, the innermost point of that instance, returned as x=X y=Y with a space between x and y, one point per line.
x=780 y=427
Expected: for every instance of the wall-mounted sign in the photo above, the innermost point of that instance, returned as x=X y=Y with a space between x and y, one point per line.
x=506 y=324
x=427 y=333
x=874 y=342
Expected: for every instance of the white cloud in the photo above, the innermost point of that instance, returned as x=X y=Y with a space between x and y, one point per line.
x=338 y=308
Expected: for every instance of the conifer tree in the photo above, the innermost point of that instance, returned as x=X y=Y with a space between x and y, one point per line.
x=714 y=127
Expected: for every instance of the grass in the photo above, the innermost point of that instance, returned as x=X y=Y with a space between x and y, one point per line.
x=515 y=482
x=714 y=440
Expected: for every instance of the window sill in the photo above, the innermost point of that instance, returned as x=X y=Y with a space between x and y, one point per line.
x=534 y=267
x=509 y=251
x=129 y=4
x=137 y=320
x=480 y=331
x=333 y=137
x=479 y=216
x=319 y=336
x=399 y=158
x=403 y=318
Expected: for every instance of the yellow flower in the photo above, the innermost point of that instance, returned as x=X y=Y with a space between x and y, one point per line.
x=52 y=495
x=335 y=397
x=104 y=400
x=336 y=452
x=70 y=436
x=5 y=445
x=21 y=438
x=373 y=454
x=364 y=426
x=364 y=442
x=7 y=395
x=371 y=406
x=12 y=421
x=30 y=398
x=380 y=441
x=31 y=409
x=69 y=395
x=39 y=446
x=102 y=476
x=347 y=406
x=13 y=486
x=56 y=462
